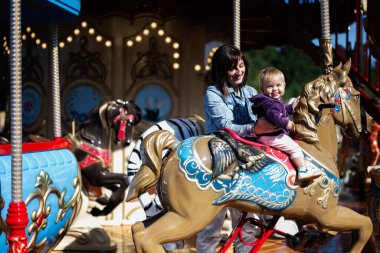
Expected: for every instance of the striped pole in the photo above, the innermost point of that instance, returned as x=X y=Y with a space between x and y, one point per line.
x=17 y=217
x=325 y=42
x=236 y=13
x=54 y=54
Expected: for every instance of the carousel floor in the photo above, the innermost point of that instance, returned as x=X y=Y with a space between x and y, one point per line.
x=121 y=235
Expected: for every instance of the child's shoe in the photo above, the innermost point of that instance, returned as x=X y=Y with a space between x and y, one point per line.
x=306 y=173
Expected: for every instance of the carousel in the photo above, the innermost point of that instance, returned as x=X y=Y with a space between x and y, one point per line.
x=43 y=179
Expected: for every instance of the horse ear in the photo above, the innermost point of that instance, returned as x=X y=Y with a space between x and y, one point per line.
x=339 y=66
x=347 y=66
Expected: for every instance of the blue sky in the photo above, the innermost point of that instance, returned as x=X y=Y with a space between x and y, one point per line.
x=351 y=39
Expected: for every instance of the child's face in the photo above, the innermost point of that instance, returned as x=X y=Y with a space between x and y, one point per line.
x=275 y=88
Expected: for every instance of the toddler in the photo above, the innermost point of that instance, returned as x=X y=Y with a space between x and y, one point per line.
x=271 y=106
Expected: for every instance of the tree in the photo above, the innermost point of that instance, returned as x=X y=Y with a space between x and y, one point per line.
x=297 y=67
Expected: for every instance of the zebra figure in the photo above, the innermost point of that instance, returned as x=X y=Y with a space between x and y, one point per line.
x=182 y=128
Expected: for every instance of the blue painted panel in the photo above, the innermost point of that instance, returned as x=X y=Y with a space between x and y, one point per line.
x=47 y=176
x=72 y=6
x=43 y=11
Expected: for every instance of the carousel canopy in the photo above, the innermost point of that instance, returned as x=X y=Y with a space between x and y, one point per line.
x=43 y=10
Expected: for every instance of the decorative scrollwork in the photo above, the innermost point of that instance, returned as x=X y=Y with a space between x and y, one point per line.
x=3 y=226
x=329 y=188
x=85 y=64
x=151 y=63
x=45 y=188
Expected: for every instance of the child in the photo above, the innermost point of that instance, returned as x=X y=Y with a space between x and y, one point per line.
x=271 y=106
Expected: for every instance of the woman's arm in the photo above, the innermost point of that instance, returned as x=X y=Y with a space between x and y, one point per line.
x=221 y=115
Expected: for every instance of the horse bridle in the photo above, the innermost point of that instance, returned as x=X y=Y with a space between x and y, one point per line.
x=342 y=104
x=127 y=121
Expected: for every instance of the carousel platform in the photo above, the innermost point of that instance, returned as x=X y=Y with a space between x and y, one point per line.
x=122 y=237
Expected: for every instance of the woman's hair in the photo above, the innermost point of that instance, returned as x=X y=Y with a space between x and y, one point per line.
x=269 y=74
x=224 y=59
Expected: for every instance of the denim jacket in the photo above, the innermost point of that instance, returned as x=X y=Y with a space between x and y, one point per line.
x=233 y=112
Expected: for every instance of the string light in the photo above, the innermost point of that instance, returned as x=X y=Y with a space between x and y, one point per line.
x=99 y=38
x=197 y=67
x=108 y=43
x=161 y=32
x=168 y=40
x=153 y=25
x=129 y=43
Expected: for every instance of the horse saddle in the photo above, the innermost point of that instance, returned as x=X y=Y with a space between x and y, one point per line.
x=265 y=176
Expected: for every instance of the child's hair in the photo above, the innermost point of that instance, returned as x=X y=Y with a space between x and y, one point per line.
x=269 y=74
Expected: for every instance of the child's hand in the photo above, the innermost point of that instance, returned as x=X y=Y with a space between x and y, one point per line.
x=290 y=125
x=295 y=102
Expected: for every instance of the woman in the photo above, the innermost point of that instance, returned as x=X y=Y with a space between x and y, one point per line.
x=227 y=104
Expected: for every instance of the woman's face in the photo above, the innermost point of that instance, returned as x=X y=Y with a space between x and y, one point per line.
x=235 y=75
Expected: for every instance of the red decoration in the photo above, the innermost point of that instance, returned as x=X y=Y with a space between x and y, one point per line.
x=58 y=143
x=17 y=219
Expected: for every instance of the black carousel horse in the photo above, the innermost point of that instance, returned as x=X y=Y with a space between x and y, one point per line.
x=90 y=146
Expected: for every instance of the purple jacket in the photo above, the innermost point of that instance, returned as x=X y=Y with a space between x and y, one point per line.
x=274 y=110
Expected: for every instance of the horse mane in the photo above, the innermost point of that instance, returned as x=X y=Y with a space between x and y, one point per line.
x=319 y=91
x=97 y=117
x=103 y=111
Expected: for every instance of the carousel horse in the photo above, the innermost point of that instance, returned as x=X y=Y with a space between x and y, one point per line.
x=90 y=146
x=91 y=143
x=202 y=175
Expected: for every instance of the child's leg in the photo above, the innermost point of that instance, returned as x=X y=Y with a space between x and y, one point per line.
x=288 y=145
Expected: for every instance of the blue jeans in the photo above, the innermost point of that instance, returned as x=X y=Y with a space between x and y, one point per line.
x=209 y=238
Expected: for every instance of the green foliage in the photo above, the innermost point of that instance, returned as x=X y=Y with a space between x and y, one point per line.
x=297 y=67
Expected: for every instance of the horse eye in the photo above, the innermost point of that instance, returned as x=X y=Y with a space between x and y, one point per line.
x=357 y=96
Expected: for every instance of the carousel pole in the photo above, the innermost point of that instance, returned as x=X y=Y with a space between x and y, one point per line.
x=54 y=54
x=325 y=41
x=17 y=217
x=236 y=13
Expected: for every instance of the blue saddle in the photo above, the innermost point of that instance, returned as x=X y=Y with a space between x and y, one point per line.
x=266 y=187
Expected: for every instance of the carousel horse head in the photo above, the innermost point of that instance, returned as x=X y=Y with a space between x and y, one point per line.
x=121 y=116
x=330 y=98
x=204 y=174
